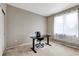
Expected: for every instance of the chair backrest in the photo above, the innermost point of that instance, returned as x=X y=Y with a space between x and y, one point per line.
x=38 y=34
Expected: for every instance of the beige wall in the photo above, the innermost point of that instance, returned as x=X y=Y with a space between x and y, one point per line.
x=23 y=24
x=50 y=27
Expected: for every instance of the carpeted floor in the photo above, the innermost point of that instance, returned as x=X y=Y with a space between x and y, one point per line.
x=54 y=50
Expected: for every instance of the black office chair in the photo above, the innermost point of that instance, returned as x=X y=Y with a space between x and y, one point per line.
x=39 y=39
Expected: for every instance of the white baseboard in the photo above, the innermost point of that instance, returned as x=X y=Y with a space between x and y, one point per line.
x=67 y=44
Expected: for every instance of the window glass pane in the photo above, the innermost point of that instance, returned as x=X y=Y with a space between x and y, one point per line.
x=58 y=25
x=70 y=24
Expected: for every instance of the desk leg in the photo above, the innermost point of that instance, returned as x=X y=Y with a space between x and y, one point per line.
x=33 y=46
x=48 y=41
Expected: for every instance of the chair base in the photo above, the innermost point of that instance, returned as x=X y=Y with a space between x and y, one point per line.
x=40 y=45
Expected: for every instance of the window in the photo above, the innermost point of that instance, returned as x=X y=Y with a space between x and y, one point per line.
x=58 y=25
x=71 y=24
x=66 y=24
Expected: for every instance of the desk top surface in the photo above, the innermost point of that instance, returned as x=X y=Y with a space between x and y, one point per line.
x=34 y=37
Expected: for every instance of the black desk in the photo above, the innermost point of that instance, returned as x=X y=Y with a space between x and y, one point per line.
x=33 y=44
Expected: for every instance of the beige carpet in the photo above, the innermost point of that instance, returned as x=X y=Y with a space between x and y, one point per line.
x=54 y=50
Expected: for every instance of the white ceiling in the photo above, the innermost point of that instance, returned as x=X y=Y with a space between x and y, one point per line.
x=44 y=9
